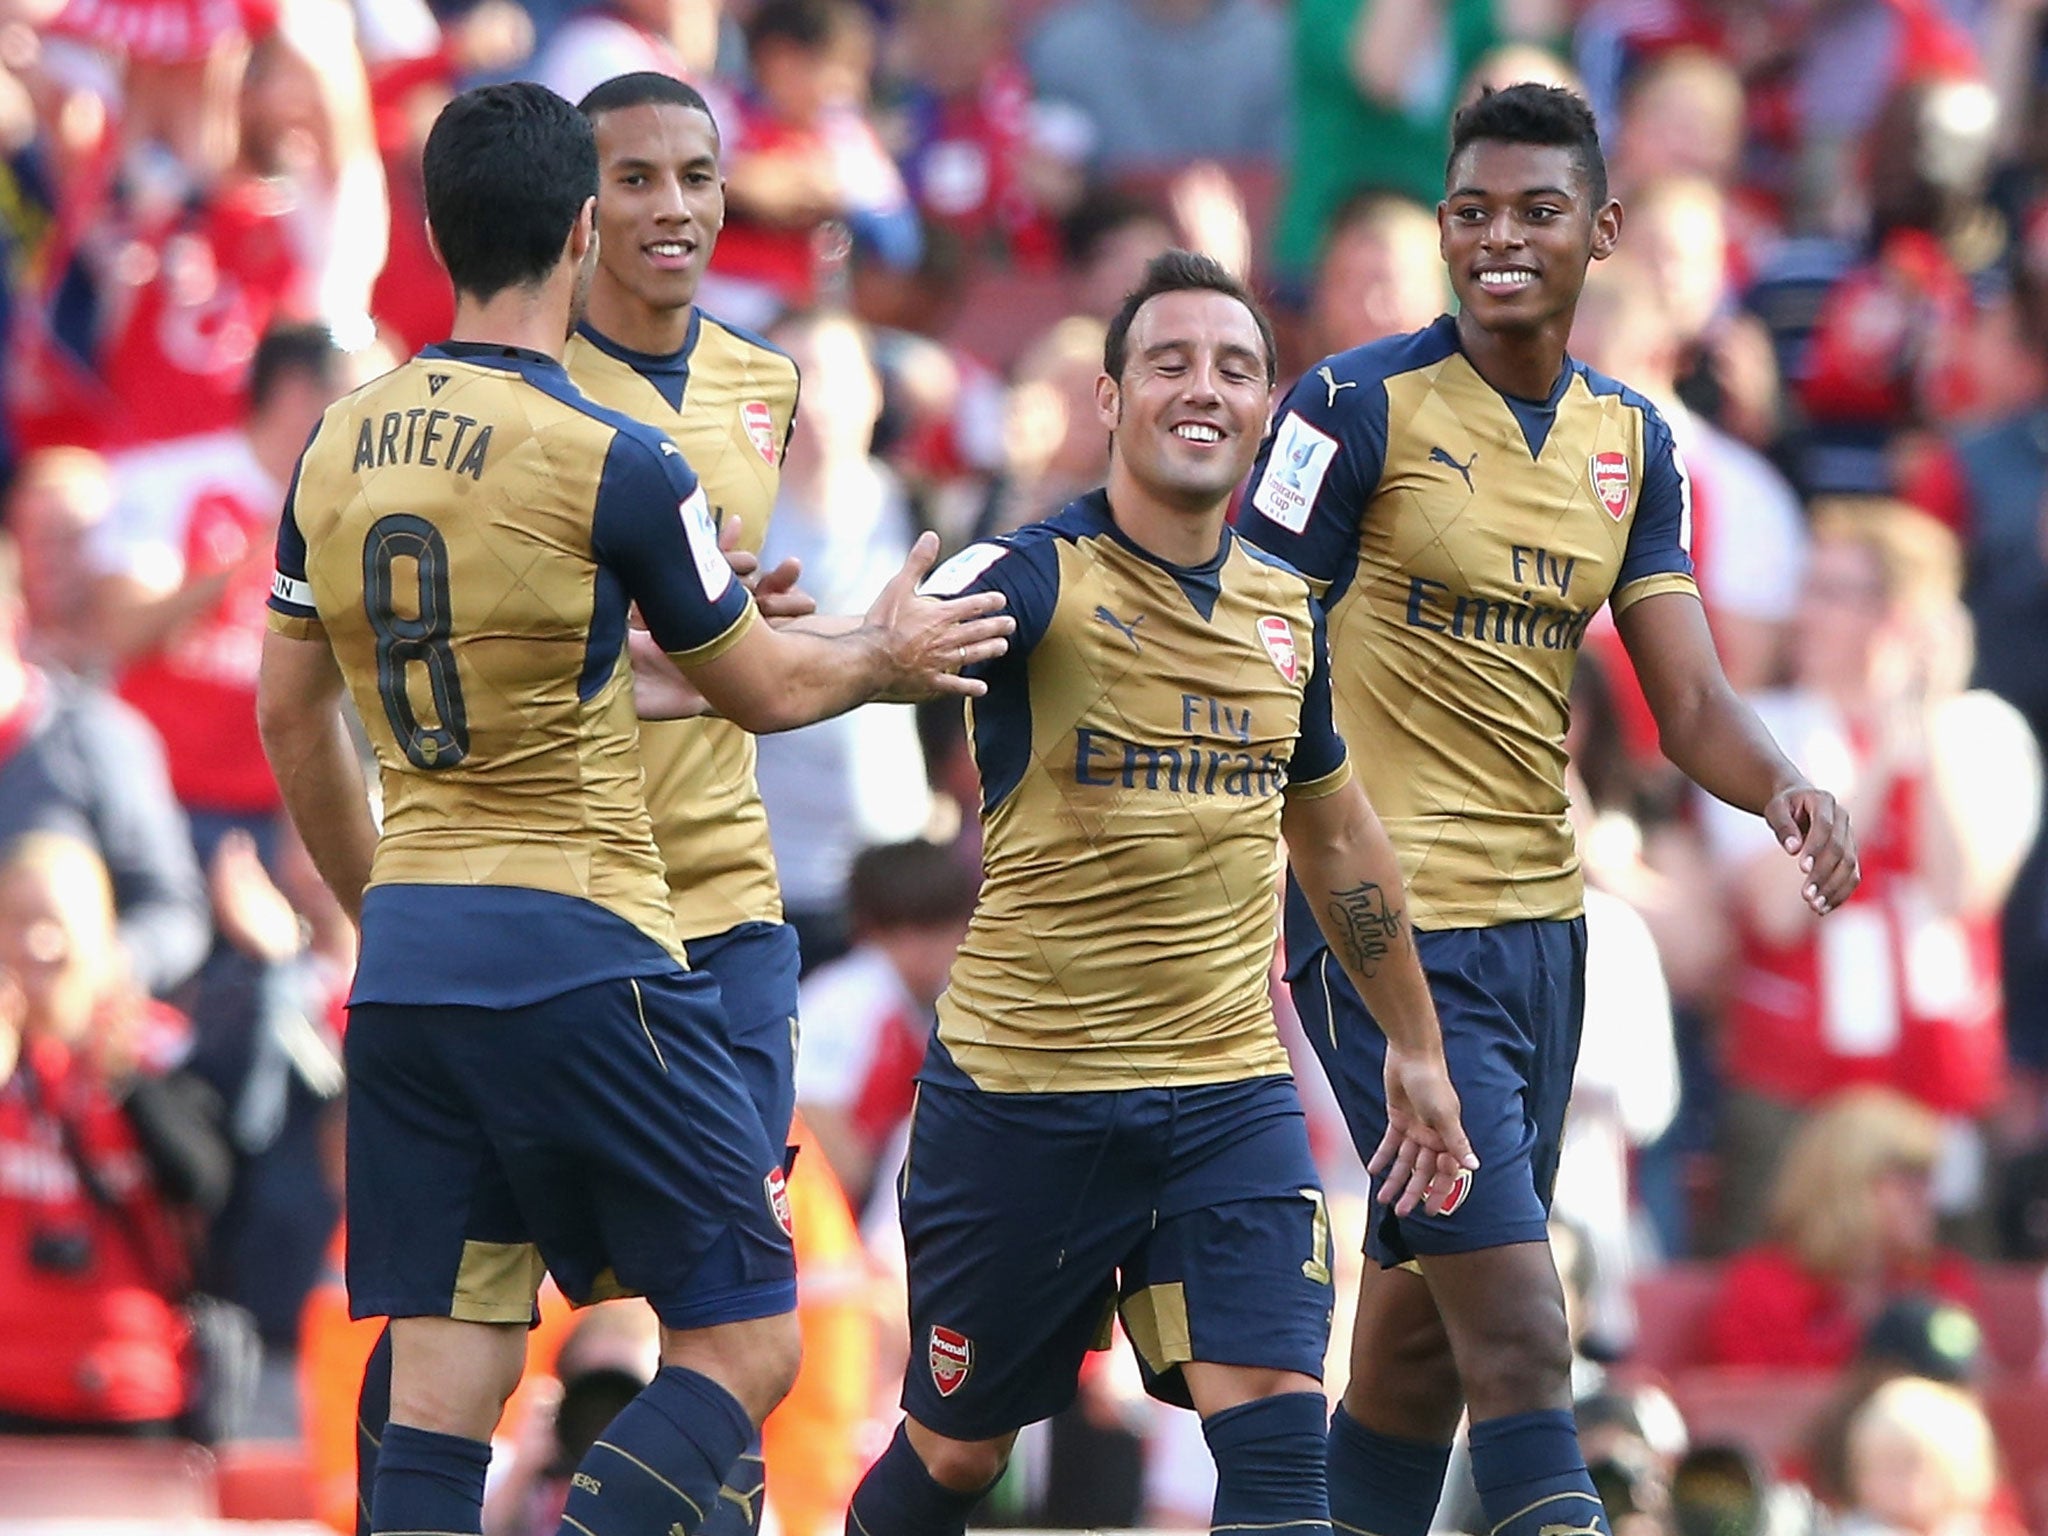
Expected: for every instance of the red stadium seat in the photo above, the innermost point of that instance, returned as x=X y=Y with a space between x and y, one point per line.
x=1765 y=1410
x=1671 y=1308
x=96 y=1479
x=264 y=1480
x=2011 y=1316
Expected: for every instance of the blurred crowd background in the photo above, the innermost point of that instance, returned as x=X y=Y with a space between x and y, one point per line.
x=1804 y=1207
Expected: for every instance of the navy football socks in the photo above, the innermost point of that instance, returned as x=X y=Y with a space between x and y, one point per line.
x=1269 y=1465
x=1381 y=1485
x=899 y=1498
x=659 y=1466
x=1532 y=1476
x=740 y=1499
x=373 y=1412
x=429 y=1482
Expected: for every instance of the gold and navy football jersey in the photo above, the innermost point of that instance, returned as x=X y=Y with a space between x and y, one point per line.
x=1462 y=541
x=728 y=400
x=469 y=531
x=1134 y=745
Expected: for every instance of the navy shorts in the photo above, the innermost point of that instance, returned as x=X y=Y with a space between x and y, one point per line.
x=755 y=966
x=604 y=1133
x=1512 y=1001
x=1028 y=1218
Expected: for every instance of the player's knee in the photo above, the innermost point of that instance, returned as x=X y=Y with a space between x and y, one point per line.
x=964 y=1466
x=756 y=1361
x=1517 y=1357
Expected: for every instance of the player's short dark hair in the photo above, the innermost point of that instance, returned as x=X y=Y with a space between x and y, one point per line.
x=285 y=350
x=807 y=24
x=643 y=88
x=1531 y=113
x=917 y=884
x=1182 y=272
x=507 y=170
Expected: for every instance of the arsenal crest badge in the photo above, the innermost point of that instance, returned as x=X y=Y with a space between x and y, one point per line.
x=1610 y=482
x=778 y=1201
x=1277 y=636
x=760 y=425
x=952 y=1359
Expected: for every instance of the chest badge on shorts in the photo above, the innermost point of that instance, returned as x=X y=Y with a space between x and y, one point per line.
x=951 y=1356
x=1277 y=636
x=1610 y=482
x=760 y=424
x=778 y=1201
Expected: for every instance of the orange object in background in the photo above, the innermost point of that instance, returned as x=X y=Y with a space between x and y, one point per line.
x=812 y=1442
x=333 y=1348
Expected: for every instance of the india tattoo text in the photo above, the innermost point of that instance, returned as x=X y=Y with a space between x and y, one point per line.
x=1367 y=927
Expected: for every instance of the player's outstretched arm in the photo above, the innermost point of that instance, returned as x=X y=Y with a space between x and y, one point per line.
x=907 y=647
x=1347 y=869
x=1717 y=741
x=298 y=713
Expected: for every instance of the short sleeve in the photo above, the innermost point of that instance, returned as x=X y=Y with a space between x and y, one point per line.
x=1320 y=765
x=1026 y=572
x=1024 y=567
x=1659 y=556
x=1316 y=471
x=652 y=530
x=292 y=611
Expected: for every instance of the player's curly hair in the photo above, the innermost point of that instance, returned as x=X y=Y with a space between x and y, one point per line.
x=1182 y=272
x=1530 y=113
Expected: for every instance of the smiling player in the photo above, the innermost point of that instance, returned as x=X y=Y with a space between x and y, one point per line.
x=1465 y=499
x=1104 y=1118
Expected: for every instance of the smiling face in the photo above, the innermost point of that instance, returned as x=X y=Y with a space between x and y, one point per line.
x=1516 y=229
x=661 y=202
x=1187 y=415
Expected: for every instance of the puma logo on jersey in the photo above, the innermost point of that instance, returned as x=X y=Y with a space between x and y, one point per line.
x=1128 y=631
x=1332 y=383
x=1439 y=456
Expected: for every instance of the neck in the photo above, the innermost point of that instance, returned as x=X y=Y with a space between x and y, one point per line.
x=1520 y=363
x=1171 y=531
x=536 y=319
x=275 y=452
x=620 y=318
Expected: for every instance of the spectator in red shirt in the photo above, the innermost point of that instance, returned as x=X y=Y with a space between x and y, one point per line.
x=186 y=564
x=1851 y=1228
x=866 y=1016
x=106 y=1156
x=1944 y=785
x=805 y=169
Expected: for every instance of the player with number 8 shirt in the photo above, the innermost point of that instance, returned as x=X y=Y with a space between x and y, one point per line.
x=536 y=1079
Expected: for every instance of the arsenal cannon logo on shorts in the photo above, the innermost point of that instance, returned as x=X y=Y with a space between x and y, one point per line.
x=952 y=1358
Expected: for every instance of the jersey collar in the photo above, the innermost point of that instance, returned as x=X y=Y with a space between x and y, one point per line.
x=668 y=372
x=1202 y=584
x=491 y=354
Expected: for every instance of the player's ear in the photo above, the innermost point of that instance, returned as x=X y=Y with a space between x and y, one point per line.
x=1606 y=229
x=583 y=233
x=433 y=244
x=1109 y=401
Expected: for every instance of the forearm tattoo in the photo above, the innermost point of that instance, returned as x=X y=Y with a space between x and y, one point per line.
x=1367 y=927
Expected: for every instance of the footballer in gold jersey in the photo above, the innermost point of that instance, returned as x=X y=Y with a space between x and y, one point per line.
x=1105 y=1120
x=1465 y=499
x=727 y=399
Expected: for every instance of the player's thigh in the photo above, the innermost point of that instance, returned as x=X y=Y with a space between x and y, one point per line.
x=1237 y=1270
x=637 y=1155
x=756 y=966
x=1510 y=1026
x=1016 y=1210
x=435 y=1228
